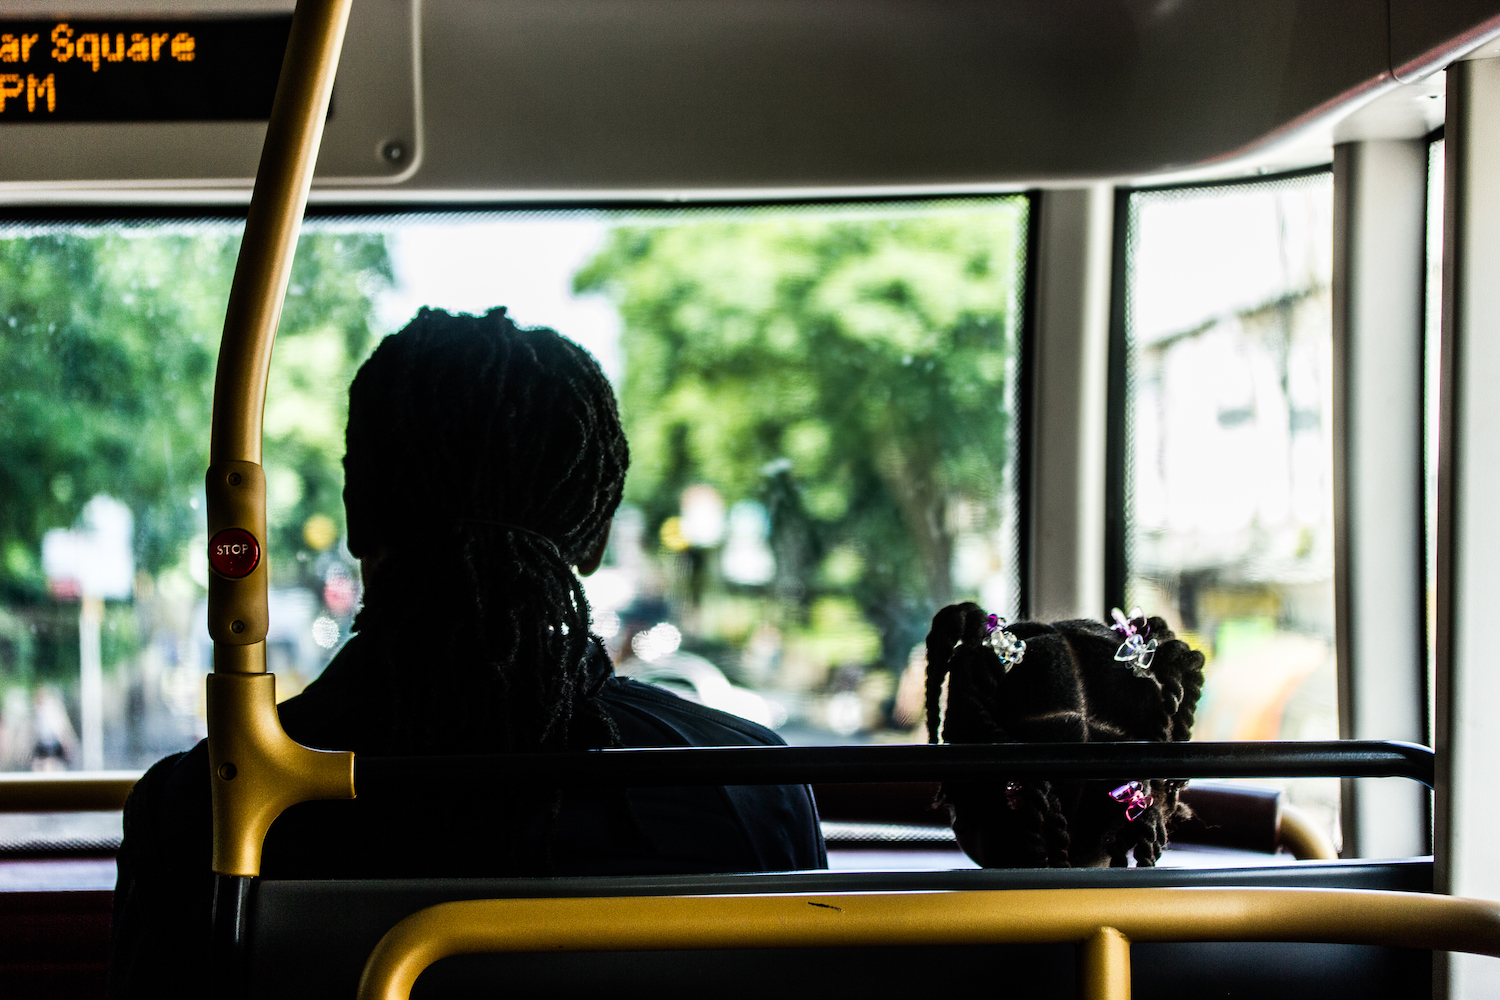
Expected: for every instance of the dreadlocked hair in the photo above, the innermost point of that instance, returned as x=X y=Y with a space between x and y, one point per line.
x=1068 y=688
x=483 y=462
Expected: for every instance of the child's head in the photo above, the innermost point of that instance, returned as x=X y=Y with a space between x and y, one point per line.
x=1067 y=687
x=483 y=461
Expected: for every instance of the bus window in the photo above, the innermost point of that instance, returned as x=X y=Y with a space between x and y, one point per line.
x=821 y=409
x=109 y=341
x=1227 y=450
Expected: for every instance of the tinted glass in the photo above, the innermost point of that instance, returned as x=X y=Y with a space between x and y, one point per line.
x=820 y=403
x=1228 y=458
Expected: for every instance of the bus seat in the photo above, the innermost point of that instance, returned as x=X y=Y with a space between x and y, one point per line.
x=1234 y=817
x=54 y=945
x=312 y=938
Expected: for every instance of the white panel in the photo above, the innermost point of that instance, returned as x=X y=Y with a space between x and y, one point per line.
x=1068 y=409
x=1468 y=813
x=1380 y=211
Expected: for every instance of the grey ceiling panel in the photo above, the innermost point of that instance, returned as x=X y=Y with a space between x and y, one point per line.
x=1426 y=34
x=537 y=97
x=620 y=94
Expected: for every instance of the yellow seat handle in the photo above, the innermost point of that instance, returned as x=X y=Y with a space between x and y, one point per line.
x=1104 y=921
x=258 y=770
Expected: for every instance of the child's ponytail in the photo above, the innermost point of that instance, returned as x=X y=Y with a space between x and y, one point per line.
x=1072 y=682
x=955 y=625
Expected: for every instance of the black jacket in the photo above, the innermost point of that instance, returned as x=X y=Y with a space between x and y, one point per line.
x=165 y=887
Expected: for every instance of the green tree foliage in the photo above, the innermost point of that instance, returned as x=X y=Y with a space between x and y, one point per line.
x=326 y=333
x=852 y=374
x=107 y=350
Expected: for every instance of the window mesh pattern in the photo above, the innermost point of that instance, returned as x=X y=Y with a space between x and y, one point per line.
x=1228 y=451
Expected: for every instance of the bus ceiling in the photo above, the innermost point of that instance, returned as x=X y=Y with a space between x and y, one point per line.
x=528 y=99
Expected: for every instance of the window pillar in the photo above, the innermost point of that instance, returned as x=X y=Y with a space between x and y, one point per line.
x=1467 y=813
x=1071 y=348
x=1379 y=264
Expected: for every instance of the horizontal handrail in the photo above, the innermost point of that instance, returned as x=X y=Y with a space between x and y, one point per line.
x=52 y=791
x=1105 y=921
x=962 y=762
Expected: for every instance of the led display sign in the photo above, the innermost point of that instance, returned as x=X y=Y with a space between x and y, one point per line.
x=129 y=70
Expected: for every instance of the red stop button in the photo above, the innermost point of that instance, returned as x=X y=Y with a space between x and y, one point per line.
x=234 y=553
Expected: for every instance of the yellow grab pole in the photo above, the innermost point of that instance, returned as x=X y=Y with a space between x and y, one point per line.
x=1302 y=838
x=257 y=769
x=1104 y=966
x=238 y=582
x=1103 y=921
x=265 y=263
x=49 y=791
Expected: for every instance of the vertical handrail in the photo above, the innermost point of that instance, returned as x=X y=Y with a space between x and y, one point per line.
x=257 y=770
x=238 y=583
x=293 y=136
x=1104 y=965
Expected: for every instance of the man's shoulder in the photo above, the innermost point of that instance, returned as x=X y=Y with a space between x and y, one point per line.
x=168 y=818
x=174 y=778
x=698 y=725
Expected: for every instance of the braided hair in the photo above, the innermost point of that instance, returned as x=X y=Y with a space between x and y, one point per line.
x=1068 y=688
x=483 y=462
